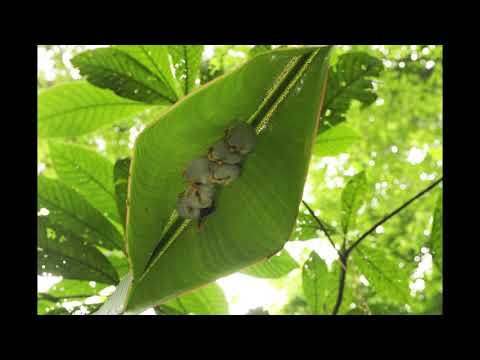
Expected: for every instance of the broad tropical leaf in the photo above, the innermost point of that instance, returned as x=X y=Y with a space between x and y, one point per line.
x=234 y=236
x=156 y=59
x=353 y=196
x=383 y=273
x=72 y=212
x=186 y=62
x=77 y=108
x=335 y=140
x=350 y=79
x=437 y=234
x=120 y=177
x=113 y=69
x=315 y=281
x=60 y=252
x=275 y=267
x=208 y=300
x=87 y=172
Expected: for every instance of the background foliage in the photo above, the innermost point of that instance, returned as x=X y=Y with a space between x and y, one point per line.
x=381 y=127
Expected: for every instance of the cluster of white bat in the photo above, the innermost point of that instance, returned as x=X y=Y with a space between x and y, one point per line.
x=220 y=167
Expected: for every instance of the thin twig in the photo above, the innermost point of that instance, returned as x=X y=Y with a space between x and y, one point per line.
x=396 y=211
x=321 y=225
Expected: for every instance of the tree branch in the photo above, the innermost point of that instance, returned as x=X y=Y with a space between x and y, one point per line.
x=393 y=213
x=321 y=226
x=341 y=285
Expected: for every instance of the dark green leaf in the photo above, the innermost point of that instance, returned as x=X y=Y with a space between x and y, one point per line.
x=120 y=177
x=72 y=212
x=186 y=62
x=113 y=69
x=87 y=172
x=349 y=80
x=62 y=253
x=275 y=267
x=353 y=196
x=78 y=108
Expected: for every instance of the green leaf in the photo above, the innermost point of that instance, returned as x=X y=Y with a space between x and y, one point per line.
x=110 y=68
x=353 y=196
x=186 y=62
x=78 y=108
x=275 y=267
x=259 y=49
x=208 y=300
x=156 y=59
x=75 y=289
x=115 y=305
x=255 y=215
x=350 y=79
x=60 y=252
x=72 y=212
x=383 y=273
x=335 y=140
x=120 y=177
x=87 y=172
x=315 y=281
x=437 y=233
